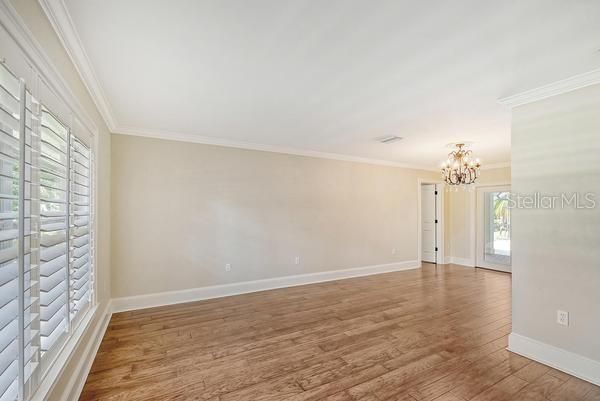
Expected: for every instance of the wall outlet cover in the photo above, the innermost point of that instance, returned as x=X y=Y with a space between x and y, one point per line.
x=562 y=318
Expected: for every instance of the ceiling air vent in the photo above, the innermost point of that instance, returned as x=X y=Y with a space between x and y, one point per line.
x=390 y=139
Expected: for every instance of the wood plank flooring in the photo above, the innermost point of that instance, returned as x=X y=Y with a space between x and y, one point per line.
x=438 y=333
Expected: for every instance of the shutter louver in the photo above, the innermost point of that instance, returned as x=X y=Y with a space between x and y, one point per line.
x=53 y=207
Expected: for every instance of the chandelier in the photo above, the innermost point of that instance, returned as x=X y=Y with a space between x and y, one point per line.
x=460 y=168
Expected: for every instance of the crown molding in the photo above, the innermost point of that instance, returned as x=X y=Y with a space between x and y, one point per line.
x=556 y=88
x=495 y=165
x=175 y=136
x=31 y=48
x=61 y=21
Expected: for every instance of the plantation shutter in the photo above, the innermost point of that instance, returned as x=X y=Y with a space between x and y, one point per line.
x=31 y=239
x=10 y=122
x=81 y=238
x=19 y=237
x=46 y=225
x=53 y=209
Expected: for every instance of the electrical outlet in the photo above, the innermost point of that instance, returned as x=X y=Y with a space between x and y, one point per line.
x=297 y=260
x=562 y=318
x=228 y=267
x=393 y=251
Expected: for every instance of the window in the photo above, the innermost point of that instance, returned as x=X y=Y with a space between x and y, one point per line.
x=46 y=236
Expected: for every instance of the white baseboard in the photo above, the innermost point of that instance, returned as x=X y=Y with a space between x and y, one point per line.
x=558 y=358
x=218 y=291
x=460 y=261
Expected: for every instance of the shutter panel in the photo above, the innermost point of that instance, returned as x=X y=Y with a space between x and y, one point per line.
x=18 y=191
x=80 y=233
x=53 y=209
x=9 y=232
x=31 y=323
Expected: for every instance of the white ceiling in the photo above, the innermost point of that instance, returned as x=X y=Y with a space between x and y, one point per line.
x=332 y=76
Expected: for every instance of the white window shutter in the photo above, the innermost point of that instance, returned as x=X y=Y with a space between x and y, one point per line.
x=81 y=235
x=10 y=127
x=31 y=239
x=53 y=212
x=46 y=230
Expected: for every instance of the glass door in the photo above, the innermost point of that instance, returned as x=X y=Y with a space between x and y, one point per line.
x=493 y=228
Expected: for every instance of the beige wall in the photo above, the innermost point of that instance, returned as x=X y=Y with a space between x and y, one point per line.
x=460 y=214
x=36 y=21
x=181 y=211
x=556 y=257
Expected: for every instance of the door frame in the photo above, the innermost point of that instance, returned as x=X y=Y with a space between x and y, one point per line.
x=439 y=234
x=480 y=227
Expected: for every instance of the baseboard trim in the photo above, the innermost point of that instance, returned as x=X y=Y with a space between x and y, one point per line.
x=574 y=364
x=460 y=261
x=217 y=291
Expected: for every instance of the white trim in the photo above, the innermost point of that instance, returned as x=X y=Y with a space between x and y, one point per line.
x=84 y=359
x=495 y=165
x=14 y=25
x=61 y=21
x=467 y=262
x=553 y=89
x=558 y=358
x=217 y=291
x=493 y=184
x=206 y=140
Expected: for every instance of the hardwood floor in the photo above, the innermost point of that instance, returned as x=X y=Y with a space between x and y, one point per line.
x=438 y=333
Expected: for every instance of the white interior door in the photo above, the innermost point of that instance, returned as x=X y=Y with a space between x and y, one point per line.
x=428 y=223
x=493 y=228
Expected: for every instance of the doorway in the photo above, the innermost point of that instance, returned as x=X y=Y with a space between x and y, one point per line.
x=430 y=235
x=493 y=228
